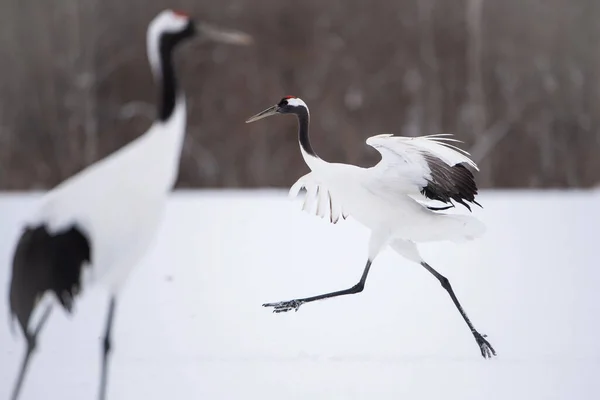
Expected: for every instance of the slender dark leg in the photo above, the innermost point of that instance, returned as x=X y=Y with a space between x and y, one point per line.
x=486 y=348
x=106 y=348
x=284 y=306
x=31 y=344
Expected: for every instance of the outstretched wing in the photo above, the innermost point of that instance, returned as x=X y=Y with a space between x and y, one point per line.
x=430 y=165
x=318 y=200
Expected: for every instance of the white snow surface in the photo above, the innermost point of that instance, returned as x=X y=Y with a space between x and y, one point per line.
x=189 y=323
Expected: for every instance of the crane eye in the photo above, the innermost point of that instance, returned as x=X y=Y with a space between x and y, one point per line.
x=284 y=101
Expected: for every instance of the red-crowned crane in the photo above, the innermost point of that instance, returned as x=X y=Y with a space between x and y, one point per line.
x=389 y=198
x=95 y=226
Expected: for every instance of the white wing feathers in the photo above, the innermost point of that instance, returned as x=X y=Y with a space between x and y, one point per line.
x=318 y=200
x=412 y=149
x=428 y=167
x=429 y=164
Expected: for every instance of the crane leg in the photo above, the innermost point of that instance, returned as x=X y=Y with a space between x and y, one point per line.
x=409 y=250
x=31 y=345
x=486 y=348
x=106 y=348
x=377 y=241
x=284 y=306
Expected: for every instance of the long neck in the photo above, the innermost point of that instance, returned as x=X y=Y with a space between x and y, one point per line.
x=165 y=77
x=167 y=140
x=303 y=135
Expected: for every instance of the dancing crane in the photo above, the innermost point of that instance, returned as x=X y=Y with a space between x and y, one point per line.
x=390 y=198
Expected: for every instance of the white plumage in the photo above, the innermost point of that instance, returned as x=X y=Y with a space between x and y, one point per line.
x=392 y=199
x=119 y=201
x=386 y=197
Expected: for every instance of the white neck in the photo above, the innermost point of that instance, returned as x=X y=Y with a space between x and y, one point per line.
x=310 y=160
x=153 y=50
x=165 y=22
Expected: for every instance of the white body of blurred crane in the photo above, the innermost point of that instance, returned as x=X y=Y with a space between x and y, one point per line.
x=95 y=226
x=389 y=198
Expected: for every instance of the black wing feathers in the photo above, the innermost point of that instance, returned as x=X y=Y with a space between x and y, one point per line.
x=46 y=261
x=449 y=183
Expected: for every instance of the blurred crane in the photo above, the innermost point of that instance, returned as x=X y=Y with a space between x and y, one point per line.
x=95 y=226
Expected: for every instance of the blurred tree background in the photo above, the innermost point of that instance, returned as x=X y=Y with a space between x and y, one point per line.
x=517 y=80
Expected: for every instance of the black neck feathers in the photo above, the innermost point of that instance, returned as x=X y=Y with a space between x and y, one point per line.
x=169 y=89
x=303 y=126
x=168 y=94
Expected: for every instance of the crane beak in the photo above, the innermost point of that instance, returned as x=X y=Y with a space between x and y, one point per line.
x=264 y=114
x=223 y=35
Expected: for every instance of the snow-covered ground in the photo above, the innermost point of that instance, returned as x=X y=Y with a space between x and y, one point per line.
x=190 y=325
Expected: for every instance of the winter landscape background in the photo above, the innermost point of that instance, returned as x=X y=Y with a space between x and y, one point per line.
x=517 y=81
x=190 y=323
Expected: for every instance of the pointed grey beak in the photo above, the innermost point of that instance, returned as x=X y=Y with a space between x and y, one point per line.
x=263 y=114
x=223 y=35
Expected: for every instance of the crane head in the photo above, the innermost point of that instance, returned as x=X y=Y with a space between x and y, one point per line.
x=287 y=105
x=175 y=26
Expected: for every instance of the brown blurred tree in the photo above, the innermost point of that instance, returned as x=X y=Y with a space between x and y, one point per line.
x=517 y=81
